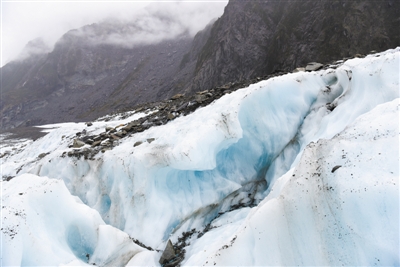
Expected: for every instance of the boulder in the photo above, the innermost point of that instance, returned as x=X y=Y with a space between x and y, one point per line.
x=89 y=124
x=106 y=143
x=96 y=143
x=42 y=155
x=114 y=137
x=200 y=98
x=314 y=66
x=168 y=254
x=78 y=143
x=177 y=96
x=138 y=143
x=97 y=138
x=335 y=168
x=170 y=116
x=206 y=91
x=149 y=140
x=298 y=70
x=119 y=134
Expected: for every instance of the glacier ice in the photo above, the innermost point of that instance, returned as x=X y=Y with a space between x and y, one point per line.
x=241 y=149
x=43 y=224
x=317 y=217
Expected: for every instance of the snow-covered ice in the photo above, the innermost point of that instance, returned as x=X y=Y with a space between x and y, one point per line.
x=43 y=225
x=274 y=143
x=320 y=216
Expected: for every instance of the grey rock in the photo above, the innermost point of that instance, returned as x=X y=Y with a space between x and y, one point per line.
x=170 y=116
x=168 y=254
x=89 y=124
x=298 y=70
x=108 y=128
x=177 y=96
x=78 y=143
x=335 y=168
x=149 y=140
x=314 y=66
x=200 y=98
x=106 y=143
x=96 y=143
x=182 y=107
x=42 y=155
x=119 y=134
x=89 y=141
x=206 y=91
x=138 y=143
x=114 y=137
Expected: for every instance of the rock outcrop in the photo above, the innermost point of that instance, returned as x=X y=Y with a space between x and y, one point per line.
x=255 y=38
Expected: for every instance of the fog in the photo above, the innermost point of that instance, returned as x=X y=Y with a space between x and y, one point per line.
x=133 y=22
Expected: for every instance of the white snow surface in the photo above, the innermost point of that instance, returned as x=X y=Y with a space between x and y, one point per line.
x=318 y=218
x=44 y=225
x=274 y=143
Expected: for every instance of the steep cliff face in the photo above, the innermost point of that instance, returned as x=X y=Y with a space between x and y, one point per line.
x=258 y=37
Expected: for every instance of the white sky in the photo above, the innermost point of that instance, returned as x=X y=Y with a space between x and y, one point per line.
x=23 y=21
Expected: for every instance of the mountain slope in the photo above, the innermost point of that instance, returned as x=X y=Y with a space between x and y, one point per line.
x=254 y=38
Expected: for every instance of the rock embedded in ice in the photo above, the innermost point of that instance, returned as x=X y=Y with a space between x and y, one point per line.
x=168 y=254
x=313 y=66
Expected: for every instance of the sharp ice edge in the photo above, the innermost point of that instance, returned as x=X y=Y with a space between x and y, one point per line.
x=199 y=164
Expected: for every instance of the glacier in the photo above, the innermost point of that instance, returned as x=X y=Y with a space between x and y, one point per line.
x=300 y=169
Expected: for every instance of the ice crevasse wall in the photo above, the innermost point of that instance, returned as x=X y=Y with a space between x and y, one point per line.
x=248 y=141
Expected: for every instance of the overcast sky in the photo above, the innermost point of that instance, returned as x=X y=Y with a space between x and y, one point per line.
x=23 y=21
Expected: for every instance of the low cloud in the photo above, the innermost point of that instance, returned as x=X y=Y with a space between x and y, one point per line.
x=127 y=23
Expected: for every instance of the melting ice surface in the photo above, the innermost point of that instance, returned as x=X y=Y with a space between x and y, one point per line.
x=269 y=148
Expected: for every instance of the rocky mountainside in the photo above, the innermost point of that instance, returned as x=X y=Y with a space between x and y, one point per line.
x=253 y=38
x=82 y=79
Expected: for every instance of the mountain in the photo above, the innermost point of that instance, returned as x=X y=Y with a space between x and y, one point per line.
x=103 y=68
x=298 y=169
x=80 y=81
x=254 y=38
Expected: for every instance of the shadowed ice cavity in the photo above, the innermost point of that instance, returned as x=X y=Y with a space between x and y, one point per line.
x=81 y=242
x=270 y=120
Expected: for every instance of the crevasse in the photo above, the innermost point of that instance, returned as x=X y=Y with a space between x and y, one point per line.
x=227 y=153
